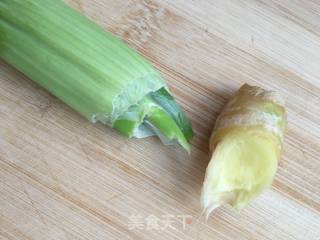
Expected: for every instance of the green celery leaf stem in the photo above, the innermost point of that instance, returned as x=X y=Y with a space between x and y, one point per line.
x=89 y=69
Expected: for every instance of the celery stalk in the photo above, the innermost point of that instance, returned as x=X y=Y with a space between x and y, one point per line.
x=88 y=68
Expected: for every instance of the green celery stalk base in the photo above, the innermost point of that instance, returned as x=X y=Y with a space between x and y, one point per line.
x=89 y=69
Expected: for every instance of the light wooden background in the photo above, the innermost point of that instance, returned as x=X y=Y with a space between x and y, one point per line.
x=64 y=178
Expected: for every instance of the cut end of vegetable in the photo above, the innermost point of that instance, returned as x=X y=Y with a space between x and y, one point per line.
x=153 y=117
x=246 y=146
x=166 y=128
x=242 y=165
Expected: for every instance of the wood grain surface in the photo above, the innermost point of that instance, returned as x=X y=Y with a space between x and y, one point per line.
x=64 y=178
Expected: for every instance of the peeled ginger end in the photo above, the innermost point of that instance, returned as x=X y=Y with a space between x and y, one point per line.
x=242 y=165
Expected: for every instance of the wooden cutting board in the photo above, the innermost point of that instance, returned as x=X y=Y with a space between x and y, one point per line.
x=64 y=178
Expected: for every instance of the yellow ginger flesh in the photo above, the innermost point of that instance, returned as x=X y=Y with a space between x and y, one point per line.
x=246 y=146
